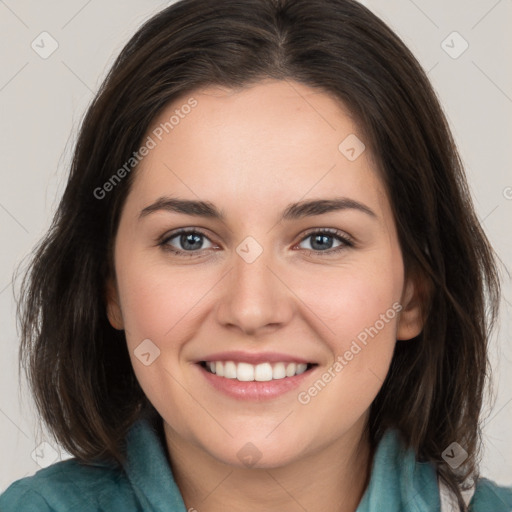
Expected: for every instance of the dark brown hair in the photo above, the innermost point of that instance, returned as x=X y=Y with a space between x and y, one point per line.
x=78 y=365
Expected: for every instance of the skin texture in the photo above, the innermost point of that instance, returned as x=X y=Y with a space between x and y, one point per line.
x=252 y=152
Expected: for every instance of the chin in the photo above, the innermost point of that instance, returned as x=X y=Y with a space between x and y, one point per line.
x=263 y=454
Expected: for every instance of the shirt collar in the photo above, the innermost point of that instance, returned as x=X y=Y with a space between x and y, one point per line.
x=149 y=471
x=397 y=480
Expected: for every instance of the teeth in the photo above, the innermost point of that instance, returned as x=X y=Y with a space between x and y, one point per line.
x=246 y=372
x=290 y=369
x=263 y=372
x=229 y=370
x=301 y=368
x=279 y=371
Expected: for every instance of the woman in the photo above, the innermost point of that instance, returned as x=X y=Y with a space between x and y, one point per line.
x=265 y=284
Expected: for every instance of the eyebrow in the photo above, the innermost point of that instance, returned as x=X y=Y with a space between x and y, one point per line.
x=293 y=211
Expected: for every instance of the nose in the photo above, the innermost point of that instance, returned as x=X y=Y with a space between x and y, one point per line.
x=255 y=297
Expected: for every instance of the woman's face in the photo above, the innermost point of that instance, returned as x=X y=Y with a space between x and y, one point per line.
x=266 y=285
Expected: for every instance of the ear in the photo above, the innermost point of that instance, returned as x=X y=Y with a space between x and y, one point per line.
x=114 y=314
x=412 y=317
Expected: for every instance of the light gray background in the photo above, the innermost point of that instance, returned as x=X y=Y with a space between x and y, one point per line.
x=42 y=102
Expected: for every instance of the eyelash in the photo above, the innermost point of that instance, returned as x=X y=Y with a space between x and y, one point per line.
x=342 y=237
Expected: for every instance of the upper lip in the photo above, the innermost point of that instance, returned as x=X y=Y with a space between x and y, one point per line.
x=240 y=356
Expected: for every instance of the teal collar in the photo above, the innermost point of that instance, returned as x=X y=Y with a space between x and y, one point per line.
x=149 y=471
x=398 y=482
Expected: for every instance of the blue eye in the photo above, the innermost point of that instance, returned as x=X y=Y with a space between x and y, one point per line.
x=191 y=242
x=322 y=241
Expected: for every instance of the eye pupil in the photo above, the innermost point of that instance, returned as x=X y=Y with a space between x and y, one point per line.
x=322 y=238
x=186 y=238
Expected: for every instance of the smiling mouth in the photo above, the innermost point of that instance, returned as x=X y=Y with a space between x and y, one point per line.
x=263 y=372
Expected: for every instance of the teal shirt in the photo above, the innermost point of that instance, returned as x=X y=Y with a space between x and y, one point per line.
x=398 y=483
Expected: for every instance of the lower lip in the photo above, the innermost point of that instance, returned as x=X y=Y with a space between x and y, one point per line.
x=254 y=390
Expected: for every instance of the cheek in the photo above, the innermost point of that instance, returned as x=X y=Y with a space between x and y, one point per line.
x=157 y=302
x=349 y=300
x=360 y=307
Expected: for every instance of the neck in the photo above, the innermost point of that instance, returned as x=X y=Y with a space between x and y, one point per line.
x=332 y=479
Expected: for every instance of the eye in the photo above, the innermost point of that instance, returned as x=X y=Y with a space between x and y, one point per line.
x=322 y=241
x=189 y=242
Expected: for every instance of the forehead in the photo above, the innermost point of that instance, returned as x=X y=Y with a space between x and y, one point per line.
x=270 y=142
